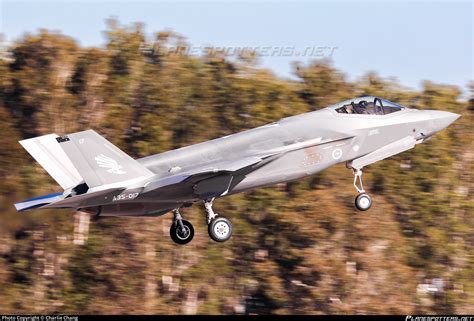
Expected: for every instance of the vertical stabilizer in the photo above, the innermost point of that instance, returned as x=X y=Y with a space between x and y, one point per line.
x=47 y=152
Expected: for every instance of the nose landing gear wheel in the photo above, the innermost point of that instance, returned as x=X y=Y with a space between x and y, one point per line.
x=220 y=229
x=182 y=235
x=363 y=202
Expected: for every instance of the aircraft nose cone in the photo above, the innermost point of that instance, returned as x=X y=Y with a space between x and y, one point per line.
x=442 y=119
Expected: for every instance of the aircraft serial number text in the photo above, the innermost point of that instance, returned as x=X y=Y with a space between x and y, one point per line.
x=123 y=197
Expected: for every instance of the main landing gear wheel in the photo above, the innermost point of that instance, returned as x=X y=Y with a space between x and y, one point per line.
x=182 y=235
x=181 y=231
x=363 y=202
x=220 y=229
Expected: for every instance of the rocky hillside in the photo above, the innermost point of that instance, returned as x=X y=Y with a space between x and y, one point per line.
x=297 y=248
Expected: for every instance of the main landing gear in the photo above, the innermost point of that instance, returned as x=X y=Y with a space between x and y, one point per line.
x=181 y=231
x=219 y=228
x=363 y=201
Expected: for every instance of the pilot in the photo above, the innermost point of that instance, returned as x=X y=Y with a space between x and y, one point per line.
x=360 y=107
x=365 y=108
x=349 y=109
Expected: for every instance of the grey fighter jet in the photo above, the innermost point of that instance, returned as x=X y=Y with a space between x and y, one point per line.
x=99 y=178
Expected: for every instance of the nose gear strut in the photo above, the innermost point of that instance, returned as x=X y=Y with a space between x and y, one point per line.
x=358 y=177
x=362 y=201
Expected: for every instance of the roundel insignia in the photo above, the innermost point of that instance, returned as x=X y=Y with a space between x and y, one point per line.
x=337 y=153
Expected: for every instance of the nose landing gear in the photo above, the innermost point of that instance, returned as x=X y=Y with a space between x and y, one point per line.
x=363 y=201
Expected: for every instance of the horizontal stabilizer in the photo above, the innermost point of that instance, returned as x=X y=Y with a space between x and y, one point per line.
x=38 y=202
x=86 y=200
x=58 y=200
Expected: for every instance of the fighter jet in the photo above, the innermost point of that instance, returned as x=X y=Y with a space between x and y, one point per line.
x=99 y=178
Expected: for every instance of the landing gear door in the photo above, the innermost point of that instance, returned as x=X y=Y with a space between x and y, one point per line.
x=213 y=187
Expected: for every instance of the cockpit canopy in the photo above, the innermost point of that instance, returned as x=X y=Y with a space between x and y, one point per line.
x=368 y=105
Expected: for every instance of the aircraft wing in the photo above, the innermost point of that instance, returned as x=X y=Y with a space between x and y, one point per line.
x=206 y=181
x=231 y=166
x=217 y=178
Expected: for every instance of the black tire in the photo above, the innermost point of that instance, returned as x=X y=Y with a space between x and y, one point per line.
x=220 y=229
x=176 y=234
x=363 y=202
